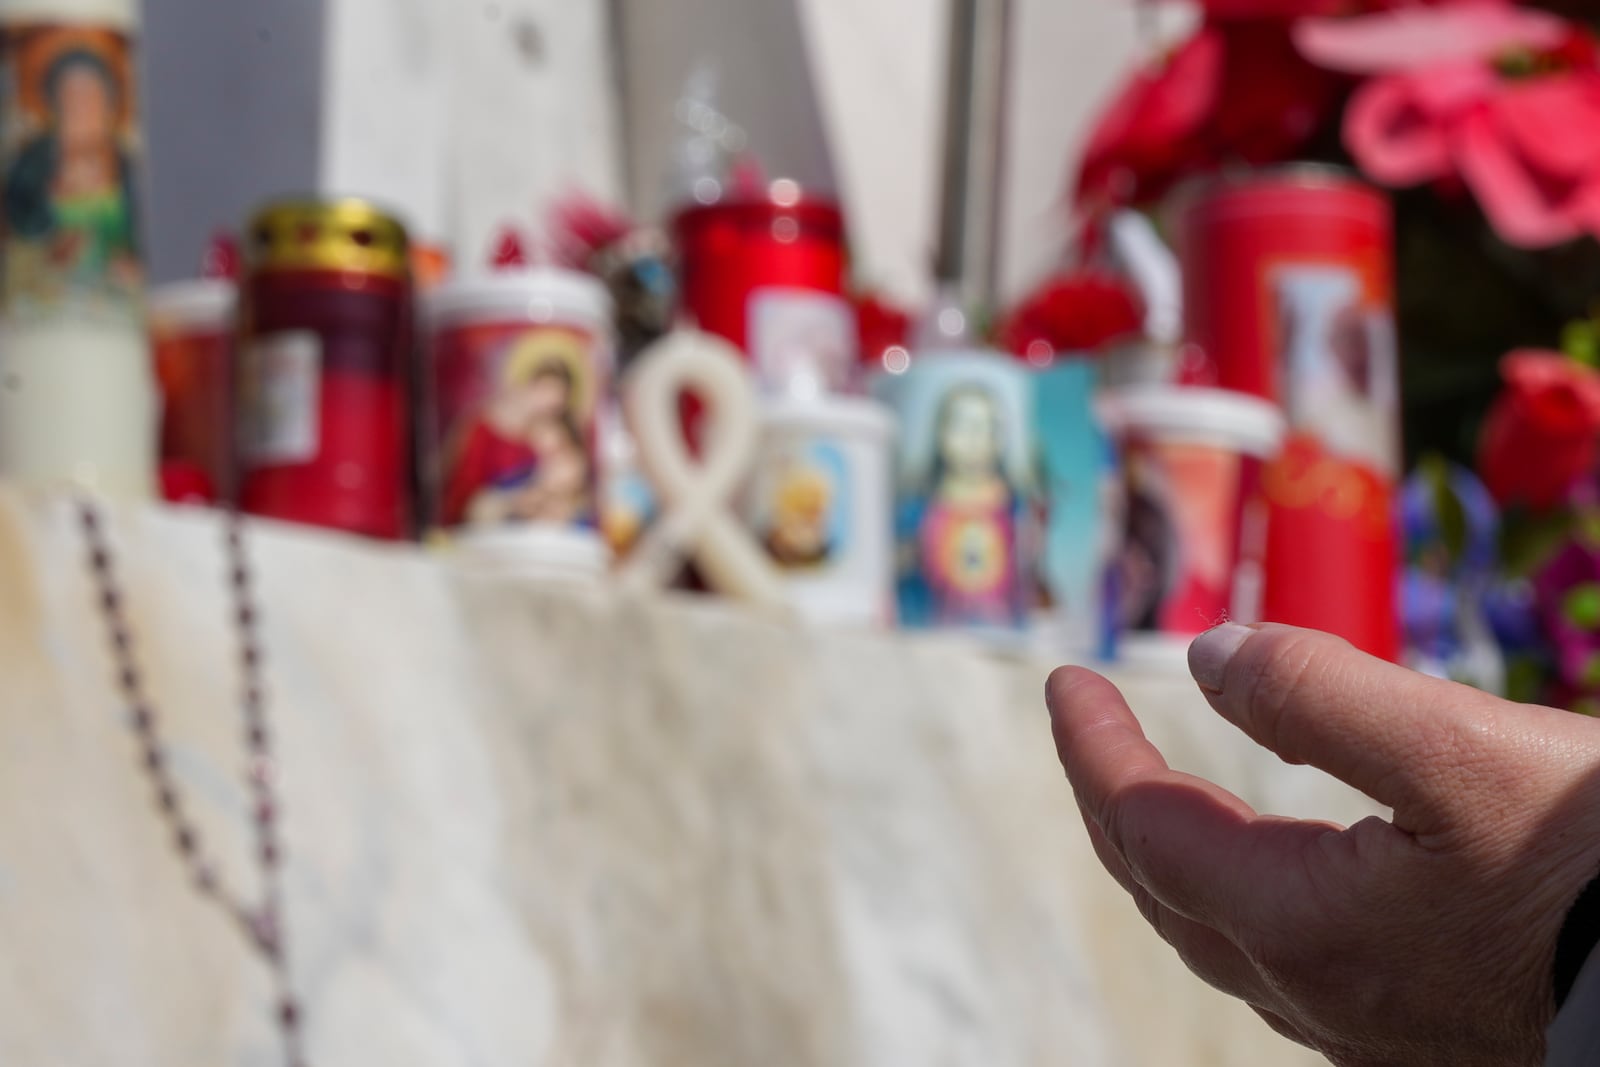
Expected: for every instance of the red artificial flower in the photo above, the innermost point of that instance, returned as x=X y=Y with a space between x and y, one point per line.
x=509 y=251
x=1077 y=312
x=581 y=227
x=880 y=326
x=222 y=258
x=1505 y=99
x=1152 y=128
x=1543 y=432
x=1238 y=91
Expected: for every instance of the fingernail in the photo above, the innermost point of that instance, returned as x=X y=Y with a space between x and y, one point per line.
x=1210 y=652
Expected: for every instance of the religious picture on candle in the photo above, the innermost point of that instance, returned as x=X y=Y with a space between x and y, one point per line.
x=1180 y=530
x=803 y=496
x=69 y=146
x=1339 y=365
x=965 y=507
x=516 y=420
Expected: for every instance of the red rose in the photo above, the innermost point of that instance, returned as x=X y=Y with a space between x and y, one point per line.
x=1543 y=432
x=1237 y=91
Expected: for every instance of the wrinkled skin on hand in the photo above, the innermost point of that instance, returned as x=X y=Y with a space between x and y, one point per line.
x=1421 y=941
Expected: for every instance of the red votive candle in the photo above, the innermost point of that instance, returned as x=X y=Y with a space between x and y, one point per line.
x=325 y=369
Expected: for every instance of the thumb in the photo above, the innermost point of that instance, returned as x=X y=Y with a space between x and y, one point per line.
x=1314 y=699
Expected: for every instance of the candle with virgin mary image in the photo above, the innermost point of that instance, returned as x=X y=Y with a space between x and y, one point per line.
x=964 y=490
x=518 y=372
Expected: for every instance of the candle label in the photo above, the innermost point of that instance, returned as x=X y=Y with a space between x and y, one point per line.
x=515 y=413
x=803 y=499
x=1181 y=527
x=281 y=398
x=69 y=151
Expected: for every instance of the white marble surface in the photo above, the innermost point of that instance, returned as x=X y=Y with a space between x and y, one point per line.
x=536 y=827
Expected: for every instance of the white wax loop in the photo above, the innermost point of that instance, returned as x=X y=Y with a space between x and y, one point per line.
x=698 y=517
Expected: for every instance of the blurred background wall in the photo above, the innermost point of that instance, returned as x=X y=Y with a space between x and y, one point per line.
x=410 y=101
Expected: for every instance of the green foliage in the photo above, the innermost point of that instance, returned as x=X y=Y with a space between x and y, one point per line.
x=1581 y=608
x=1580 y=339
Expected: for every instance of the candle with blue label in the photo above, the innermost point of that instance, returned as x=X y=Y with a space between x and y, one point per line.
x=1082 y=503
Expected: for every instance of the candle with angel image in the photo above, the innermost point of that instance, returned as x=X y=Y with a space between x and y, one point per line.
x=800 y=528
x=819 y=500
x=68 y=144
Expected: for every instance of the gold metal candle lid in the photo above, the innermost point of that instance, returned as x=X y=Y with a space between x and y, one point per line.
x=342 y=235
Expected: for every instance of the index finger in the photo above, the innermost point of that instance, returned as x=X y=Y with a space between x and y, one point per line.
x=1102 y=747
x=1197 y=848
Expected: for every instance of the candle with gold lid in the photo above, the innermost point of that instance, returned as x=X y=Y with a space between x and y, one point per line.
x=325 y=367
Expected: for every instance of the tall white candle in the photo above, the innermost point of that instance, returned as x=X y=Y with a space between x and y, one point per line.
x=77 y=406
x=77 y=401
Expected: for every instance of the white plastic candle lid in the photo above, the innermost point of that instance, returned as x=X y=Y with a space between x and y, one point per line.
x=200 y=304
x=830 y=414
x=534 y=550
x=541 y=294
x=1245 y=423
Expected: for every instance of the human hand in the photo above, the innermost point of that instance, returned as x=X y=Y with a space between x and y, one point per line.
x=1428 y=940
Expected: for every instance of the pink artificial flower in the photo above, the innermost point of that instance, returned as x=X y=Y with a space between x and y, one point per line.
x=1236 y=91
x=1504 y=98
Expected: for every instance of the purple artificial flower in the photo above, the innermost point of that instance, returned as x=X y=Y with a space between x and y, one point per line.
x=1567 y=592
